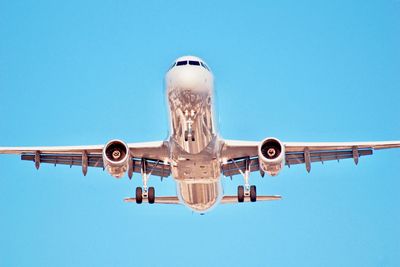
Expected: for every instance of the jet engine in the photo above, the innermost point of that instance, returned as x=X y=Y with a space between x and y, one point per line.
x=116 y=158
x=271 y=155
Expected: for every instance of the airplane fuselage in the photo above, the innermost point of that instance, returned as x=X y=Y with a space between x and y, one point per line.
x=194 y=143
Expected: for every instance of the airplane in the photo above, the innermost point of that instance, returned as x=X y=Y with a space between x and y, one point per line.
x=194 y=154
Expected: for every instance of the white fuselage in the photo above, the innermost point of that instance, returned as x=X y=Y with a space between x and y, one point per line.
x=194 y=143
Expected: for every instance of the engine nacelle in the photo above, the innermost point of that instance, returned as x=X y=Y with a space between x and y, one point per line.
x=271 y=155
x=116 y=158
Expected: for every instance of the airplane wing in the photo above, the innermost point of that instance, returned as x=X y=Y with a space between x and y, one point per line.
x=153 y=154
x=236 y=154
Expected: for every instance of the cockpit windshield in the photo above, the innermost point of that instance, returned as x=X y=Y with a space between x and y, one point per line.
x=181 y=63
x=194 y=63
x=190 y=62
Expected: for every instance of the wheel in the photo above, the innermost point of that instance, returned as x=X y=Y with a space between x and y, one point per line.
x=240 y=193
x=253 y=193
x=186 y=136
x=151 y=196
x=139 y=195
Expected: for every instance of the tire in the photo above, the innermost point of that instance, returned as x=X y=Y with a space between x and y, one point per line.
x=139 y=195
x=151 y=195
x=240 y=193
x=253 y=193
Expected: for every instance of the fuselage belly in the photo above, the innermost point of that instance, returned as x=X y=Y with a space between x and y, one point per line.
x=194 y=144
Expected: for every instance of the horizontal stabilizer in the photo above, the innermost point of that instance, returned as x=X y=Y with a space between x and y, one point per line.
x=234 y=199
x=225 y=199
x=158 y=200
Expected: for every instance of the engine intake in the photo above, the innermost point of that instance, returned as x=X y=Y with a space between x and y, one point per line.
x=116 y=158
x=271 y=155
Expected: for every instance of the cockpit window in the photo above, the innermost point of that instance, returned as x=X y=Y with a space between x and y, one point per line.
x=173 y=65
x=195 y=63
x=181 y=63
x=204 y=66
x=190 y=62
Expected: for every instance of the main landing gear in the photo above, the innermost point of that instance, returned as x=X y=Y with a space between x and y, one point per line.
x=247 y=190
x=145 y=192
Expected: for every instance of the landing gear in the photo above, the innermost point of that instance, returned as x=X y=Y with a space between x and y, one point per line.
x=253 y=193
x=146 y=192
x=139 y=195
x=189 y=136
x=151 y=196
x=240 y=193
x=189 y=133
x=247 y=190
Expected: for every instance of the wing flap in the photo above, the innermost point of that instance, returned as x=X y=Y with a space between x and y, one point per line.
x=154 y=167
x=293 y=158
x=70 y=159
x=326 y=146
x=237 y=166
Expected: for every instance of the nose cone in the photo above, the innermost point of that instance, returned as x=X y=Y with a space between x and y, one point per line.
x=189 y=78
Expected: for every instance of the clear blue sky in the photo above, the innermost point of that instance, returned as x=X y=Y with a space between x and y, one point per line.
x=83 y=72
